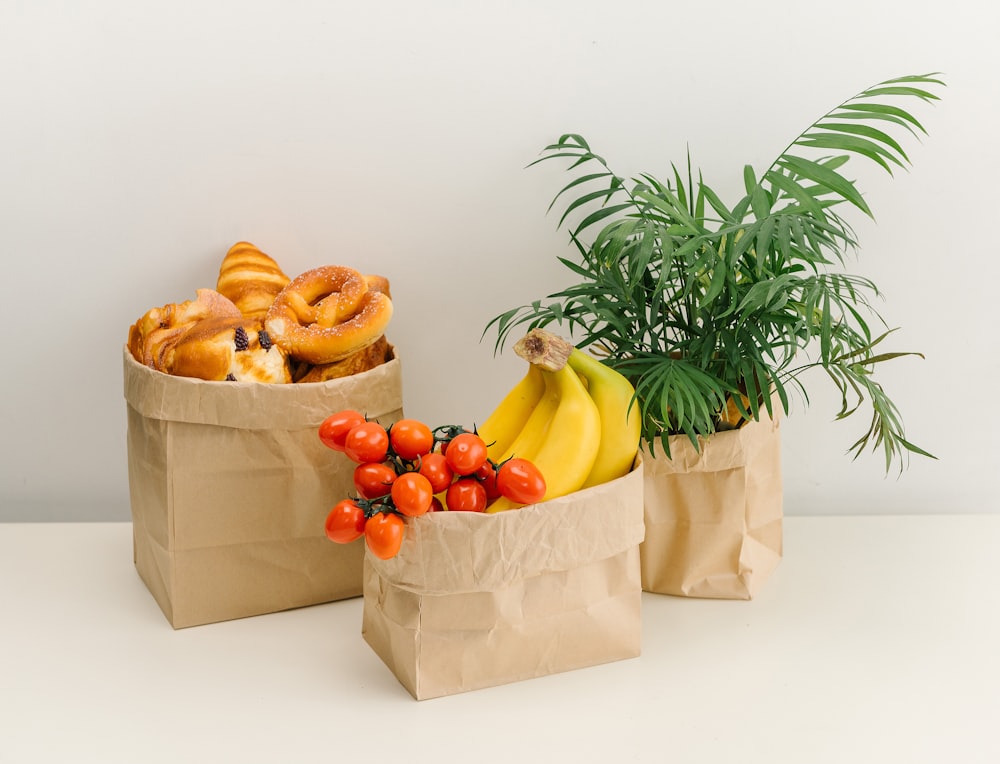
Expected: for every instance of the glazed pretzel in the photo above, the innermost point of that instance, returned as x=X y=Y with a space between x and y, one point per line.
x=328 y=313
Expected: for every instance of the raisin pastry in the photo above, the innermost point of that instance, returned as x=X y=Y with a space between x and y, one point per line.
x=227 y=349
x=207 y=338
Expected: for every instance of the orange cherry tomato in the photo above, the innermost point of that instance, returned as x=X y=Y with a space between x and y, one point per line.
x=373 y=479
x=384 y=534
x=487 y=475
x=335 y=427
x=435 y=468
x=410 y=438
x=367 y=442
x=466 y=495
x=412 y=494
x=345 y=523
x=521 y=481
x=446 y=434
x=466 y=453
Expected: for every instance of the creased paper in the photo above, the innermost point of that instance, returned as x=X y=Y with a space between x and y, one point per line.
x=473 y=600
x=230 y=486
x=714 y=517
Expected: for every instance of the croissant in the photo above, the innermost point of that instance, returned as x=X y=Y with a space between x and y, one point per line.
x=250 y=279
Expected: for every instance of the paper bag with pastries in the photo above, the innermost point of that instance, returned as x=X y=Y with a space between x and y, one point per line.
x=230 y=487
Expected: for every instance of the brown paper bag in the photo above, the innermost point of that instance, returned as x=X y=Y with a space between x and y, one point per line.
x=714 y=518
x=230 y=487
x=474 y=600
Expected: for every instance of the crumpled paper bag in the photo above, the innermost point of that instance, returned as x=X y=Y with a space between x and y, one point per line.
x=474 y=600
x=230 y=487
x=714 y=517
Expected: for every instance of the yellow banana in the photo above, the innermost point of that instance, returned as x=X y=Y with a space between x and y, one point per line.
x=573 y=437
x=531 y=437
x=527 y=442
x=501 y=504
x=620 y=427
x=509 y=418
x=567 y=455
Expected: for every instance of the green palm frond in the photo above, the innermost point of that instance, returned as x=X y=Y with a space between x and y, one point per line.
x=698 y=301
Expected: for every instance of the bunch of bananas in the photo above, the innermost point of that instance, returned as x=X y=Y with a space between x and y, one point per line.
x=570 y=415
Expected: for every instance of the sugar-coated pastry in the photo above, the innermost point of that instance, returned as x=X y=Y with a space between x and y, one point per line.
x=329 y=313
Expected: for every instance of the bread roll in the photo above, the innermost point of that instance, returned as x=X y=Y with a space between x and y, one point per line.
x=363 y=360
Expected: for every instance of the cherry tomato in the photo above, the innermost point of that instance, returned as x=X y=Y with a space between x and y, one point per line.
x=466 y=453
x=410 y=438
x=412 y=494
x=435 y=468
x=521 y=481
x=335 y=427
x=487 y=475
x=373 y=480
x=367 y=442
x=466 y=495
x=436 y=505
x=447 y=434
x=345 y=523
x=384 y=534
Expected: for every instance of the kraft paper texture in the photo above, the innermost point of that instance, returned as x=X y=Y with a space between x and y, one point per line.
x=714 y=517
x=230 y=487
x=473 y=600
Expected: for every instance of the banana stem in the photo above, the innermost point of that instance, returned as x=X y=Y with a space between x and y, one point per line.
x=544 y=349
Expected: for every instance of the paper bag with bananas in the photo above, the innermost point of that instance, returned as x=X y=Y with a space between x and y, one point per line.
x=473 y=599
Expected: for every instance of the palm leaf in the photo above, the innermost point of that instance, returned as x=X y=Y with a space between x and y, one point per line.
x=695 y=299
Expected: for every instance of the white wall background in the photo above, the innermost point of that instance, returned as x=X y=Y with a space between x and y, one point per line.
x=138 y=141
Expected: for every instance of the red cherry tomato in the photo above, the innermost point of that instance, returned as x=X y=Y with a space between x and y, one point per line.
x=345 y=523
x=466 y=453
x=487 y=475
x=412 y=494
x=410 y=438
x=436 y=505
x=521 y=481
x=466 y=495
x=367 y=442
x=384 y=534
x=335 y=427
x=373 y=480
x=435 y=468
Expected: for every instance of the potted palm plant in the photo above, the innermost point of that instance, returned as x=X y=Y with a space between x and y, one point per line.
x=716 y=312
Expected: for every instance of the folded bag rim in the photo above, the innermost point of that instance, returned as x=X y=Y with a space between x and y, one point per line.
x=249 y=405
x=459 y=552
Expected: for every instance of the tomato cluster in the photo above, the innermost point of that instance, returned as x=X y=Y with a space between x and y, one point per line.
x=408 y=469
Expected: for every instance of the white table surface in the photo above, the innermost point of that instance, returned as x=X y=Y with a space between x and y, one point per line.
x=877 y=640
